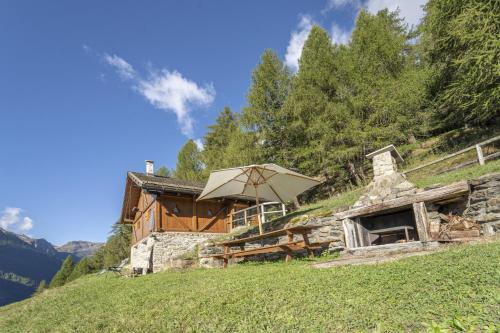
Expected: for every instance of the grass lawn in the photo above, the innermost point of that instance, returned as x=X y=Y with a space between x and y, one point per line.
x=456 y=287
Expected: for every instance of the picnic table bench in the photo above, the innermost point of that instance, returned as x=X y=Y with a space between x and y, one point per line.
x=289 y=247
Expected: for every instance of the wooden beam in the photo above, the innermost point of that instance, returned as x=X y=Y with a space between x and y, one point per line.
x=433 y=195
x=421 y=221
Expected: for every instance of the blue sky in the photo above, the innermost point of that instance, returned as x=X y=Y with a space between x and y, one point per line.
x=89 y=90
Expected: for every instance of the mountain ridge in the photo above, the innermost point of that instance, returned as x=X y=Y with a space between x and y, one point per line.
x=26 y=261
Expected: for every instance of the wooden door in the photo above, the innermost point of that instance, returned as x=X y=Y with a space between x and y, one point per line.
x=177 y=214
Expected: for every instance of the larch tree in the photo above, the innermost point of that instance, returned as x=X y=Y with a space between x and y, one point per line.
x=189 y=162
x=319 y=128
x=271 y=84
x=64 y=272
x=163 y=171
x=461 y=43
x=217 y=140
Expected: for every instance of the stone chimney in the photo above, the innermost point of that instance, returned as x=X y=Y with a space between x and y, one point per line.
x=150 y=167
x=385 y=161
x=387 y=182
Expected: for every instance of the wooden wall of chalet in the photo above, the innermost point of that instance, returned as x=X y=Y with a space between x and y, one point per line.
x=144 y=217
x=181 y=213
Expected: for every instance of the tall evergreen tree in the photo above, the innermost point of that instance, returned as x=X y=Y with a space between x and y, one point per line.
x=82 y=268
x=271 y=84
x=217 y=140
x=460 y=40
x=189 y=162
x=320 y=129
x=64 y=272
x=164 y=172
x=41 y=287
x=388 y=83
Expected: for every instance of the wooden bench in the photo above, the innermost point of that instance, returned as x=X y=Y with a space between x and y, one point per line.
x=289 y=247
x=393 y=230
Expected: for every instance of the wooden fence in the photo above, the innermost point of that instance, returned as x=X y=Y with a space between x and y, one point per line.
x=465 y=157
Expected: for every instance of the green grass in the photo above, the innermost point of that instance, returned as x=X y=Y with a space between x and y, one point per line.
x=459 y=286
x=467 y=173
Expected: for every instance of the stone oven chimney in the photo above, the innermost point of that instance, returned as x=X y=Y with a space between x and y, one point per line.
x=385 y=161
x=150 y=167
x=387 y=182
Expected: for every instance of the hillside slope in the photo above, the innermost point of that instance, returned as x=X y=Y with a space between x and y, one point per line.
x=25 y=261
x=458 y=286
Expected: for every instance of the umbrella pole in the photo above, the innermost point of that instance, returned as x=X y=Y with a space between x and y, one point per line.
x=261 y=231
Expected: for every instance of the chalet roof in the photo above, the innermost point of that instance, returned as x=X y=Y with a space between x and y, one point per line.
x=155 y=183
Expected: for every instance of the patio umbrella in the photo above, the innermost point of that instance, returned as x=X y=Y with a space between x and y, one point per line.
x=268 y=182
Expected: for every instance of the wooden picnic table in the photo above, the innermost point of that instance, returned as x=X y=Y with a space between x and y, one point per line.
x=289 y=247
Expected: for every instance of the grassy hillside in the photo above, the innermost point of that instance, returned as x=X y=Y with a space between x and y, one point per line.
x=455 y=287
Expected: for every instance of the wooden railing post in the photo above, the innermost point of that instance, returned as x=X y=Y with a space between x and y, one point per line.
x=245 y=217
x=480 y=156
x=263 y=213
x=283 y=208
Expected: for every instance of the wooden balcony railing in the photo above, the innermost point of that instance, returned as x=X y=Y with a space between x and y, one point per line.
x=248 y=216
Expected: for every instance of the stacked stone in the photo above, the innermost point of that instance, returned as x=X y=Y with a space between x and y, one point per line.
x=387 y=183
x=484 y=203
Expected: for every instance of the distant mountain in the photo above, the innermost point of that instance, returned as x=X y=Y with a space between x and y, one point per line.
x=25 y=261
x=79 y=248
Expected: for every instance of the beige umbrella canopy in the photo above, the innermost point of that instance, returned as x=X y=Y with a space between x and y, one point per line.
x=268 y=182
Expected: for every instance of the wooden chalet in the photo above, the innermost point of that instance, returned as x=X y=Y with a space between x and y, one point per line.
x=164 y=204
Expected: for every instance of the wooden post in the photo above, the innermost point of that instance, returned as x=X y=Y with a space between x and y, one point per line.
x=421 y=220
x=245 y=217
x=305 y=237
x=263 y=213
x=283 y=208
x=194 y=220
x=480 y=157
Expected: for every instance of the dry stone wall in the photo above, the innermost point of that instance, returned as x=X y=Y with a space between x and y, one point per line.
x=484 y=203
x=159 y=249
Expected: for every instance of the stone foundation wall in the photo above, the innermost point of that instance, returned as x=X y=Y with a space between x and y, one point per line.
x=484 y=203
x=156 y=251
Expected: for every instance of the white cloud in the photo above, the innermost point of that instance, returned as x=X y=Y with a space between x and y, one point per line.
x=341 y=3
x=166 y=90
x=170 y=91
x=339 y=35
x=412 y=11
x=123 y=68
x=297 y=40
x=199 y=144
x=11 y=219
x=26 y=225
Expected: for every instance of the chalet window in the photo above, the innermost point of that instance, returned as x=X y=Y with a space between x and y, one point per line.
x=176 y=210
x=210 y=213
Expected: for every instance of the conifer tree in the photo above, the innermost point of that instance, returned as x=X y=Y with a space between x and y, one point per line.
x=82 y=268
x=189 y=163
x=217 y=140
x=320 y=127
x=271 y=84
x=387 y=81
x=64 y=272
x=41 y=287
x=460 y=40
x=164 y=172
